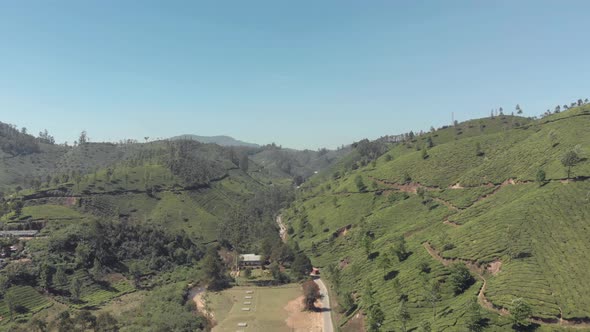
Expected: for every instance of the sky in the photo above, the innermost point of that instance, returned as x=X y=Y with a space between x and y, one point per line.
x=303 y=74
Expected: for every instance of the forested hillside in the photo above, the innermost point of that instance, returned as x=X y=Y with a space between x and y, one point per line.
x=126 y=220
x=479 y=225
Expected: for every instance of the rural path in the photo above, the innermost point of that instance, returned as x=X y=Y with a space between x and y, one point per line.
x=326 y=309
x=282 y=228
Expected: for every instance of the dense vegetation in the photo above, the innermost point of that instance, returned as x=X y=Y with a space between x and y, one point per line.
x=132 y=218
x=478 y=225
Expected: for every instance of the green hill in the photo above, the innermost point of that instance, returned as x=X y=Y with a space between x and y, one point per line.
x=468 y=194
x=220 y=140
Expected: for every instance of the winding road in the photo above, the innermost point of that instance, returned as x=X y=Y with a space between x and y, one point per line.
x=326 y=309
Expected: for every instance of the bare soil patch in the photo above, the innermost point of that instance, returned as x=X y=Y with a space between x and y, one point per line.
x=303 y=321
x=494 y=267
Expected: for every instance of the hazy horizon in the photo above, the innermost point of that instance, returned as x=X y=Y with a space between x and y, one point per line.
x=302 y=75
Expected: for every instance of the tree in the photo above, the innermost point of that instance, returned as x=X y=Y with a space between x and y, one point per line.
x=473 y=316
x=368 y=298
x=214 y=270
x=375 y=317
x=244 y=162
x=65 y=322
x=301 y=266
x=10 y=301
x=400 y=249
x=136 y=273
x=520 y=312
x=45 y=276
x=4 y=283
x=96 y=270
x=406 y=177
x=367 y=244
x=311 y=293
x=429 y=142
x=478 y=151
x=460 y=278
x=424 y=267
x=518 y=109
x=38 y=325
x=75 y=288
x=403 y=315
x=557 y=109
x=105 y=322
x=552 y=135
x=82 y=253
x=83 y=139
x=540 y=177
x=85 y=320
x=275 y=271
x=60 y=279
x=569 y=160
x=425 y=326
x=384 y=262
x=421 y=192
x=360 y=185
x=434 y=296
x=424 y=152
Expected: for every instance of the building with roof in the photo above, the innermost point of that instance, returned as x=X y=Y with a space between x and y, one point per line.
x=30 y=233
x=251 y=260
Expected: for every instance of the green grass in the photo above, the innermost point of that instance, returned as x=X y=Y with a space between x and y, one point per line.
x=50 y=211
x=267 y=309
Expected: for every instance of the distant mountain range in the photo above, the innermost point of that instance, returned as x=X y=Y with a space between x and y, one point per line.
x=219 y=140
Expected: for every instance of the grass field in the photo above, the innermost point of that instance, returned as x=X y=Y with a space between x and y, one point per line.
x=267 y=308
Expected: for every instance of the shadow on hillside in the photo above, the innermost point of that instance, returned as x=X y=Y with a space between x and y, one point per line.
x=390 y=275
x=529 y=328
x=373 y=255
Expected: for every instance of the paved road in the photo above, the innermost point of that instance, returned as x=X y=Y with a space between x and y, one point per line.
x=327 y=314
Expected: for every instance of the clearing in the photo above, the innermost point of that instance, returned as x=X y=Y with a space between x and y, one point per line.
x=271 y=309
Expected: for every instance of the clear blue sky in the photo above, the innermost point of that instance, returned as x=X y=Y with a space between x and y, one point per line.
x=304 y=74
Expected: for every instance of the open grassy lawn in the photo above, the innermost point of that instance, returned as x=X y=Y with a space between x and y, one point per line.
x=267 y=309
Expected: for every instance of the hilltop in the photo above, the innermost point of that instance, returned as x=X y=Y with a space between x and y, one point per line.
x=392 y=223
x=222 y=140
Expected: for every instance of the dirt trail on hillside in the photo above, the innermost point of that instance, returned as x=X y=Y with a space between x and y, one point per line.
x=282 y=228
x=450 y=223
x=494 y=268
x=446 y=203
x=197 y=294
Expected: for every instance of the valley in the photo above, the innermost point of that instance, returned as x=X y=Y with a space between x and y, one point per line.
x=445 y=230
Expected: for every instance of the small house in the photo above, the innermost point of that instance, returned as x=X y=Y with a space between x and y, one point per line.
x=250 y=260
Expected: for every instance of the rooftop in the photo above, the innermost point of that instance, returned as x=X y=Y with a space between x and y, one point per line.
x=250 y=258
